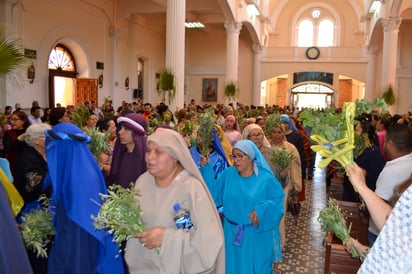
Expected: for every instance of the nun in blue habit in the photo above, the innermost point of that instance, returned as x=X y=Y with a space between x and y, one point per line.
x=215 y=162
x=252 y=199
x=77 y=182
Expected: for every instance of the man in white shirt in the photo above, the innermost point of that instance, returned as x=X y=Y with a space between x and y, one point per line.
x=398 y=168
x=391 y=253
x=34 y=116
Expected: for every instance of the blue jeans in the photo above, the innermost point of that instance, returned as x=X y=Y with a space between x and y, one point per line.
x=371 y=238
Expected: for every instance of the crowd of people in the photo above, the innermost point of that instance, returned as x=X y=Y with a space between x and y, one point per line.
x=235 y=193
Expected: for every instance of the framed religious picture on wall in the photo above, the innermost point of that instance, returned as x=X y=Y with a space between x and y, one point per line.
x=100 y=81
x=209 y=89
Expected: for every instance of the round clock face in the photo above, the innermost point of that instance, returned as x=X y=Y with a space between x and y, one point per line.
x=312 y=53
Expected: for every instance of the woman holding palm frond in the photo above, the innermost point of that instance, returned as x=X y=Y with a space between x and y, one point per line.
x=292 y=173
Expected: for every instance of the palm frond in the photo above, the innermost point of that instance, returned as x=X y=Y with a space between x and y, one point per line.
x=11 y=56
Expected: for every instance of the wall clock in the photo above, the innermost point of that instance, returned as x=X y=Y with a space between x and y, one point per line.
x=312 y=53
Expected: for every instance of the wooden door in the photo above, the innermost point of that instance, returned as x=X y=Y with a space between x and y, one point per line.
x=85 y=90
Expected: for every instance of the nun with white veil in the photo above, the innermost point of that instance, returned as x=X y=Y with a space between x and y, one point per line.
x=173 y=177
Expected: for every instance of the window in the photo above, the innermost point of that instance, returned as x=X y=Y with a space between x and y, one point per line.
x=305 y=35
x=325 y=34
x=316 y=30
x=316 y=13
x=312 y=88
x=61 y=59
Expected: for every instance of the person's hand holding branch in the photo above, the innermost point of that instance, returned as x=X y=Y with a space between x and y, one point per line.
x=378 y=208
x=151 y=238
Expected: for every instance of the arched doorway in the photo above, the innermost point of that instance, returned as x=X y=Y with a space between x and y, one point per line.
x=311 y=89
x=62 y=69
x=64 y=86
x=312 y=95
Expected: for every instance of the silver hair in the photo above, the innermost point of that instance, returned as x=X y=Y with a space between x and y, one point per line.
x=34 y=132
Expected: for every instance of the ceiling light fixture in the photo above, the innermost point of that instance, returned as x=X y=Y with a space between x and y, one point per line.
x=194 y=25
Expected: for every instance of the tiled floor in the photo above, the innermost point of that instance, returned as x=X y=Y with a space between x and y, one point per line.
x=304 y=252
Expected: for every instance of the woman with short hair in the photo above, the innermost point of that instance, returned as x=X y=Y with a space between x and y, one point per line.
x=32 y=179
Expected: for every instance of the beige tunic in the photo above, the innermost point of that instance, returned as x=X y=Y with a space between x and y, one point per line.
x=295 y=175
x=294 y=181
x=200 y=250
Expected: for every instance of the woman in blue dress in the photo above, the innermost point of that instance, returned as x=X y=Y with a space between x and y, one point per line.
x=252 y=199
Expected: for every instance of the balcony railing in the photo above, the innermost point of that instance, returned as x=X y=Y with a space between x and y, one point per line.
x=327 y=54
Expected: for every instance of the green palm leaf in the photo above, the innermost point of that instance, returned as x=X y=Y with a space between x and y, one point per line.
x=11 y=56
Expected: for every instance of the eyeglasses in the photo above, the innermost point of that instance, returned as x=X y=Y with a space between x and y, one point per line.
x=237 y=156
x=255 y=135
x=15 y=119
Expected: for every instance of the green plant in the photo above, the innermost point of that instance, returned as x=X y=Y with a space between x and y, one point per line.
x=329 y=123
x=205 y=131
x=362 y=106
x=333 y=219
x=11 y=56
x=167 y=83
x=37 y=228
x=282 y=157
x=80 y=115
x=272 y=121
x=389 y=96
x=99 y=143
x=120 y=213
x=230 y=89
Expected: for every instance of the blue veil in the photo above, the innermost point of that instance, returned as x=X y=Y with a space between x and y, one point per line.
x=291 y=124
x=251 y=150
x=77 y=182
x=218 y=146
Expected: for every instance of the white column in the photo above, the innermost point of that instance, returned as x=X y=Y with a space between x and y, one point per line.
x=370 y=73
x=232 y=50
x=256 y=95
x=113 y=80
x=390 y=50
x=175 y=48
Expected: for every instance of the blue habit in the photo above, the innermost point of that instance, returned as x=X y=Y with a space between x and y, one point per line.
x=250 y=249
x=217 y=162
x=77 y=182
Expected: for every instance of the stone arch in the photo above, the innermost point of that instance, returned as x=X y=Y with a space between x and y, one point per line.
x=79 y=56
x=252 y=32
x=280 y=5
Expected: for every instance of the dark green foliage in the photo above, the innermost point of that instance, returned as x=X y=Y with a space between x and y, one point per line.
x=230 y=89
x=389 y=96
